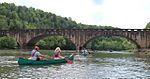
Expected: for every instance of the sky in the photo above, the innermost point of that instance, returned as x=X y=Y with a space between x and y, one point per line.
x=125 y=14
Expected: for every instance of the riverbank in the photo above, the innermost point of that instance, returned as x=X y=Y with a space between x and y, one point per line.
x=144 y=54
x=64 y=53
x=27 y=52
x=9 y=53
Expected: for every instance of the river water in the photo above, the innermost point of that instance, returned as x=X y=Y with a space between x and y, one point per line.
x=102 y=65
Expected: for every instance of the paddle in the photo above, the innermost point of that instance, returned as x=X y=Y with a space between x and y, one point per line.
x=69 y=61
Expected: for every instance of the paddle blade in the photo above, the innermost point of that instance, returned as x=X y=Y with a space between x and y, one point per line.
x=69 y=61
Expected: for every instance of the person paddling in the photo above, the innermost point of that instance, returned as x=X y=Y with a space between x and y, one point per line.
x=57 y=53
x=35 y=54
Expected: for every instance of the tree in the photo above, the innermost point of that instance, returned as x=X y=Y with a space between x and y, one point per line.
x=3 y=22
x=147 y=26
x=8 y=42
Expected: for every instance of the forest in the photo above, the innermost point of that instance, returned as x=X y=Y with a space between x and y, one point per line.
x=21 y=17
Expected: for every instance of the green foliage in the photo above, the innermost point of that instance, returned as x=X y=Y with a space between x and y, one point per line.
x=20 y=17
x=147 y=26
x=113 y=43
x=8 y=42
x=53 y=42
x=3 y=22
x=102 y=43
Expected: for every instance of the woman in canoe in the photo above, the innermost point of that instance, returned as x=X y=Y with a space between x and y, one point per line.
x=57 y=53
x=35 y=54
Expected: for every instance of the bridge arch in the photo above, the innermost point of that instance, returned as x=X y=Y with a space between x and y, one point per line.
x=129 y=39
x=34 y=40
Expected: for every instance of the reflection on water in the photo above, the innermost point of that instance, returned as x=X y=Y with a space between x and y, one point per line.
x=102 y=65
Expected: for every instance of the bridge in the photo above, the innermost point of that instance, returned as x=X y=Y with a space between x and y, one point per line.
x=80 y=37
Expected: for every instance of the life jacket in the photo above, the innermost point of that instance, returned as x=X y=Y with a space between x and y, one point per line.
x=55 y=54
x=58 y=53
x=33 y=54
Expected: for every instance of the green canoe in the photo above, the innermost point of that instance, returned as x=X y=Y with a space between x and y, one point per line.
x=23 y=61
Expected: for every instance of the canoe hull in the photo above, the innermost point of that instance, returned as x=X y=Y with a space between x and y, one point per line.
x=23 y=61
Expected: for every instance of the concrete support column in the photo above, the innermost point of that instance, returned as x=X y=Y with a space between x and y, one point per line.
x=23 y=46
x=77 y=48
